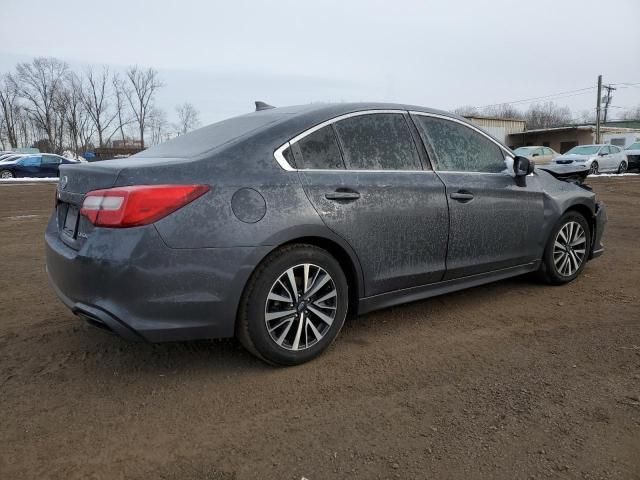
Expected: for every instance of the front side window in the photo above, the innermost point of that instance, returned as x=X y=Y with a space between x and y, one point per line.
x=318 y=150
x=31 y=162
x=459 y=148
x=378 y=141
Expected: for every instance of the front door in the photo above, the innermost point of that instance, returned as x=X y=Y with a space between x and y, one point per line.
x=494 y=222
x=364 y=176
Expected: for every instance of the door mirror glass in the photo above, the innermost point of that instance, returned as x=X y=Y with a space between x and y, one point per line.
x=535 y=155
x=523 y=166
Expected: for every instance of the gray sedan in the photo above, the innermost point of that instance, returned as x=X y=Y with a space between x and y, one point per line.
x=273 y=226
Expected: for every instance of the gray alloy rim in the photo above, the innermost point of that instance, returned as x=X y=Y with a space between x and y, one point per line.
x=6 y=174
x=301 y=307
x=594 y=169
x=623 y=167
x=569 y=248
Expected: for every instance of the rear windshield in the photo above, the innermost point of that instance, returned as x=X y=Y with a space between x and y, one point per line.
x=212 y=136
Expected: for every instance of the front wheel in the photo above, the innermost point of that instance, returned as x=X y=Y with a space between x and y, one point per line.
x=622 y=167
x=293 y=306
x=594 y=168
x=567 y=249
x=5 y=174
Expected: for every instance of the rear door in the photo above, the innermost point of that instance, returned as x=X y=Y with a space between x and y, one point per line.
x=495 y=223
x=50 y=165
x=363 y=174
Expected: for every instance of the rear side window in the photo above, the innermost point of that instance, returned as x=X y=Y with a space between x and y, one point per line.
x=318 y=150
x=380 y=141
x=50 y=160
x=459 y=148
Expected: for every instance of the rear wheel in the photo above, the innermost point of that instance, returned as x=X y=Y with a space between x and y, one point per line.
x=622 y=167
x=294 y=305
x=567 y=249
x=594 y=168
x=6 y=174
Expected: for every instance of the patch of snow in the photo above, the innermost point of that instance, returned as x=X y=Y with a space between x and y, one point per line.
x=29 y=180
x=614 y=175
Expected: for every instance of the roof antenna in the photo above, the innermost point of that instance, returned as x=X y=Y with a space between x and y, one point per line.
x=263 y=106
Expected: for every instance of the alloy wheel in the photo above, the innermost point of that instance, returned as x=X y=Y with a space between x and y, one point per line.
x=569 y=248
x=623 y=167
x=594 y=169
x=6 y=174
x=301 y=307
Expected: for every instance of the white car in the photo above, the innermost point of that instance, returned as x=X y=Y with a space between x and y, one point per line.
x=598 y=158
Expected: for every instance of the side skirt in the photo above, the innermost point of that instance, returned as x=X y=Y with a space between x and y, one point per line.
x=397 y=297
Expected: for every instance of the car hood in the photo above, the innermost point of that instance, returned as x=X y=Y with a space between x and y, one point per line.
x=632 y=152
x=575 y=158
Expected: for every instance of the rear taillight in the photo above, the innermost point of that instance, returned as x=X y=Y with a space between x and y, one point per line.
x=137 y=205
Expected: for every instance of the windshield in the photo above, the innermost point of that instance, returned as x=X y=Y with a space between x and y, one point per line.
x=584 y=150
x=634 y=146
x=524 y=151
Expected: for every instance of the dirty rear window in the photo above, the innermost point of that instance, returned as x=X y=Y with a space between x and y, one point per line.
x=380 y=141
x=212 y=136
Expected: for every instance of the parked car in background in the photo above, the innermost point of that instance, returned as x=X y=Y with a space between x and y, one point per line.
x=633 y=155
x=598 y=158
x=271 y=226
x=11 y=157
x=44 y=165
x=540 y=155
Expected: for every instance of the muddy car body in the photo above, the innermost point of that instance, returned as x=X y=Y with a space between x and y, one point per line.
x=302 y=214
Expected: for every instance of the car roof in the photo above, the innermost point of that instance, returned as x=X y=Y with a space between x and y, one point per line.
x=281 y=123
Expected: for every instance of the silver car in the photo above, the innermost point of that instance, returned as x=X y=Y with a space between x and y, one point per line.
x=540 y=155
x=598 y=158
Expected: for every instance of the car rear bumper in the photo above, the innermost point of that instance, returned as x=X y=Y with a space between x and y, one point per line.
x=600 y=222
x=129 y=282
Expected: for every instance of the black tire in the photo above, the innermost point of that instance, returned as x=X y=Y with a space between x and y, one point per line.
x=5 y=174
x=549 y=271
x=251 y=325
x=594 y=169
x=622 y=167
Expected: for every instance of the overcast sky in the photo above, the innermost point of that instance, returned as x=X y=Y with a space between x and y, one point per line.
x=221 y=56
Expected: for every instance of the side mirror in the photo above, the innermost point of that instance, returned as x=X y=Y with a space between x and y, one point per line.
x=604 y=154
x=535 y=155
x=522 y=166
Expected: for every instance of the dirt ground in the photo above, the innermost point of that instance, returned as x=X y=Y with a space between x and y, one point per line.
x=510 y=380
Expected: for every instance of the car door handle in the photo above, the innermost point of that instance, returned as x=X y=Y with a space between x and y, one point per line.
x=338 y=195
x=462 y=196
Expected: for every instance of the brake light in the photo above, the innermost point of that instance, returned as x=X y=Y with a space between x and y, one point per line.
x=122 y=207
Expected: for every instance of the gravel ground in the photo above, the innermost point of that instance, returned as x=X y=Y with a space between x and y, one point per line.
x=510 y=380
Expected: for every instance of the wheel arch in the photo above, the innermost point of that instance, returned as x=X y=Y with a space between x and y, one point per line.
x=588 y=214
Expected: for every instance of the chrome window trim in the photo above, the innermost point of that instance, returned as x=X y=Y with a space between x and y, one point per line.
x=279 y=156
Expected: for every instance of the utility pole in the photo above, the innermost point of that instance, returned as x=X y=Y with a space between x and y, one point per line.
x=607 y=100
x=598 y=109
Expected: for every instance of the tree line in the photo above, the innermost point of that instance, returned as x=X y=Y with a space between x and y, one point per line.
x=541 y=115
x=45 y=104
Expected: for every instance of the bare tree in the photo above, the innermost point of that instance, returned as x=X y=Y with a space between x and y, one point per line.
x=143 y=85
x=504 y=110
x=547 y=115
x=95 y=97
x=10 y=109
x=466 y=111
x=188 y=117
x=122 y=117
x=587 y=116
x=39 y=84
x=157 y=124
x=631 y=114
x=74 y=111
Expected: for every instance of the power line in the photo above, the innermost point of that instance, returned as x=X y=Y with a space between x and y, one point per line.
x=574 y=92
